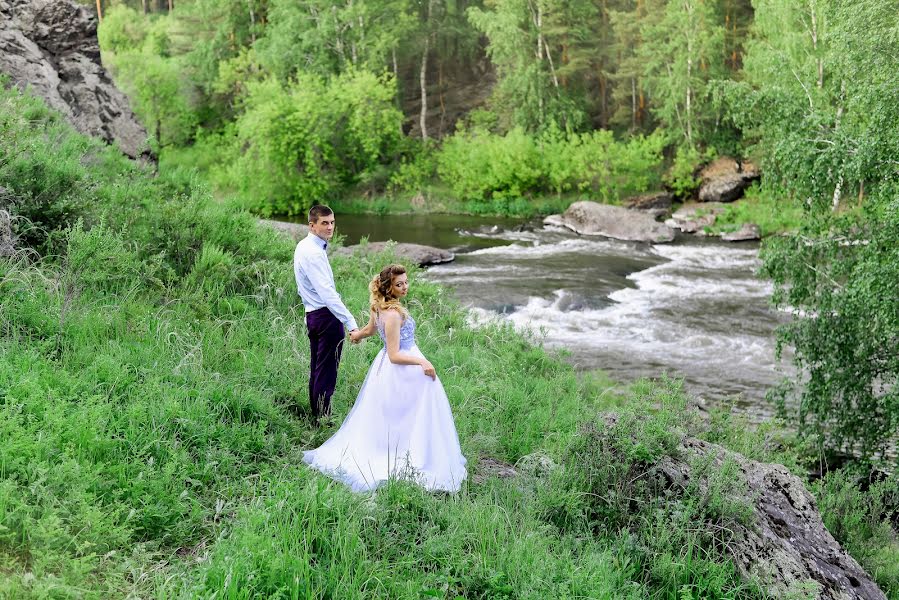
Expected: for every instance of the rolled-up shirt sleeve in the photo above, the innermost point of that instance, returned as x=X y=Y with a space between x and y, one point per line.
x=321 y=278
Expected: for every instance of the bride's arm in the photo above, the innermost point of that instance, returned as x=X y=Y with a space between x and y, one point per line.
x=393 y=321
x=367 y=331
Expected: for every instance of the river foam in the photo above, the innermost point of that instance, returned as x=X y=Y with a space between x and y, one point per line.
x=696 y=310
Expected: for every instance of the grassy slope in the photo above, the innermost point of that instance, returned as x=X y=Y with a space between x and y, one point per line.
x=146 y=363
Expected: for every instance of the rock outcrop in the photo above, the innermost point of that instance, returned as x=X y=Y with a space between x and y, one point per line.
x=785 y=544
x=657 y=204
x=592 y=218
x=51 y=47
x=725 y=180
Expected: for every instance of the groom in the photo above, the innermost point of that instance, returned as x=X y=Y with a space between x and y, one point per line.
x=326 y=315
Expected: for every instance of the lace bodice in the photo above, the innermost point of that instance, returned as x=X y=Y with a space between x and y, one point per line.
x=407 y=332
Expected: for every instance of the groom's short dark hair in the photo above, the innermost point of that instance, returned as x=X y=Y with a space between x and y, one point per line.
x=318 y=211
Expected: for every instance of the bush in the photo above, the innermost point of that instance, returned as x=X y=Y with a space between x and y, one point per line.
x=681 y=177
x=480 y=166
x=301 y=143
x=864 y=521
x=608 y=489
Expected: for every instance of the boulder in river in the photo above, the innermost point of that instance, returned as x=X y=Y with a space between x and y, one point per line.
x=51 y=46
x=694 y=218
x=746 y=232
x=414 y=253
x=592 y=218
x=725 y=180
x=296 y=231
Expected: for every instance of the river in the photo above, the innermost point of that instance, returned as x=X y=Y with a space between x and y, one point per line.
x=695 y=308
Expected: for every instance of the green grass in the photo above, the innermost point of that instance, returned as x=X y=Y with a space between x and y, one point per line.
x=151 y=346
x=773 y=213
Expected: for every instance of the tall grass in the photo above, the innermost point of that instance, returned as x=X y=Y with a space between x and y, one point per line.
x=151 y=348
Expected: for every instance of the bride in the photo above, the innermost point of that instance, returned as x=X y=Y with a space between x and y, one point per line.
x=401 y=426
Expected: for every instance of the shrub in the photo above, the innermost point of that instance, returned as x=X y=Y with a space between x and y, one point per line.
x=480 y=166
x=864 y=521
x=303 y=142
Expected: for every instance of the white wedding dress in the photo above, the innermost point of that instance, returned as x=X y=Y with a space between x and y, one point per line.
x=400 y=427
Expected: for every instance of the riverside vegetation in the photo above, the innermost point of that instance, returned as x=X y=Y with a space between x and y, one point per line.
x=283 y=103
x=151 y=344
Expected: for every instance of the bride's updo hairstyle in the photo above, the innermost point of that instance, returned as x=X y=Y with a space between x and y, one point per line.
x=380 y=297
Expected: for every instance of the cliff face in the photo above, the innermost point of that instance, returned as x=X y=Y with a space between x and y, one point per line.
x=51 y=46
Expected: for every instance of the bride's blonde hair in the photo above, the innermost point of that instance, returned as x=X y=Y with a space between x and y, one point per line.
x=380 y=297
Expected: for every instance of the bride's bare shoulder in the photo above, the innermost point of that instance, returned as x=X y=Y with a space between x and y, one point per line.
x=391 y=315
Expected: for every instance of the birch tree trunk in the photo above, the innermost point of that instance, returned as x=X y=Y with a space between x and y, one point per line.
x=423 y=75
x=252 y=21
x=813 y=6
x=688 y=102
x=423 y=81
x=99 y=11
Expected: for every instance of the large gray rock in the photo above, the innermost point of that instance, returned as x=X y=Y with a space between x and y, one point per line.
x=51 y=46
x=592 y=218
x=785 y=544
x=694 y=218
x=7 y=235
x=725 y=180
x=414 y=253
x=746 y=232
x=652 y=200
x=295 y=231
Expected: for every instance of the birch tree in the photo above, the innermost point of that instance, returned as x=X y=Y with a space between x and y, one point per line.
x=682 y=53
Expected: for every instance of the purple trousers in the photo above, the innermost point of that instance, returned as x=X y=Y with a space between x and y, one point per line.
x=326 y=337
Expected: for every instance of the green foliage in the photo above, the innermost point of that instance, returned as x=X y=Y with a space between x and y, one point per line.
x=682 y=177
x=864 y=522
x=597 y=163
x=326 y=39
x=416 y=169
x=682 y=52
x=482 y=166
x=774 y=214
x=610 y=489
x=138 y=51
x=528 y=94
x=303 y=142
x=51 y=189
x=820 y=100
x=123 y=29
x=840 y=276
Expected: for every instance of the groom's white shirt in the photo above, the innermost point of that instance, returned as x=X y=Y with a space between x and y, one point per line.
x=315 y=280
